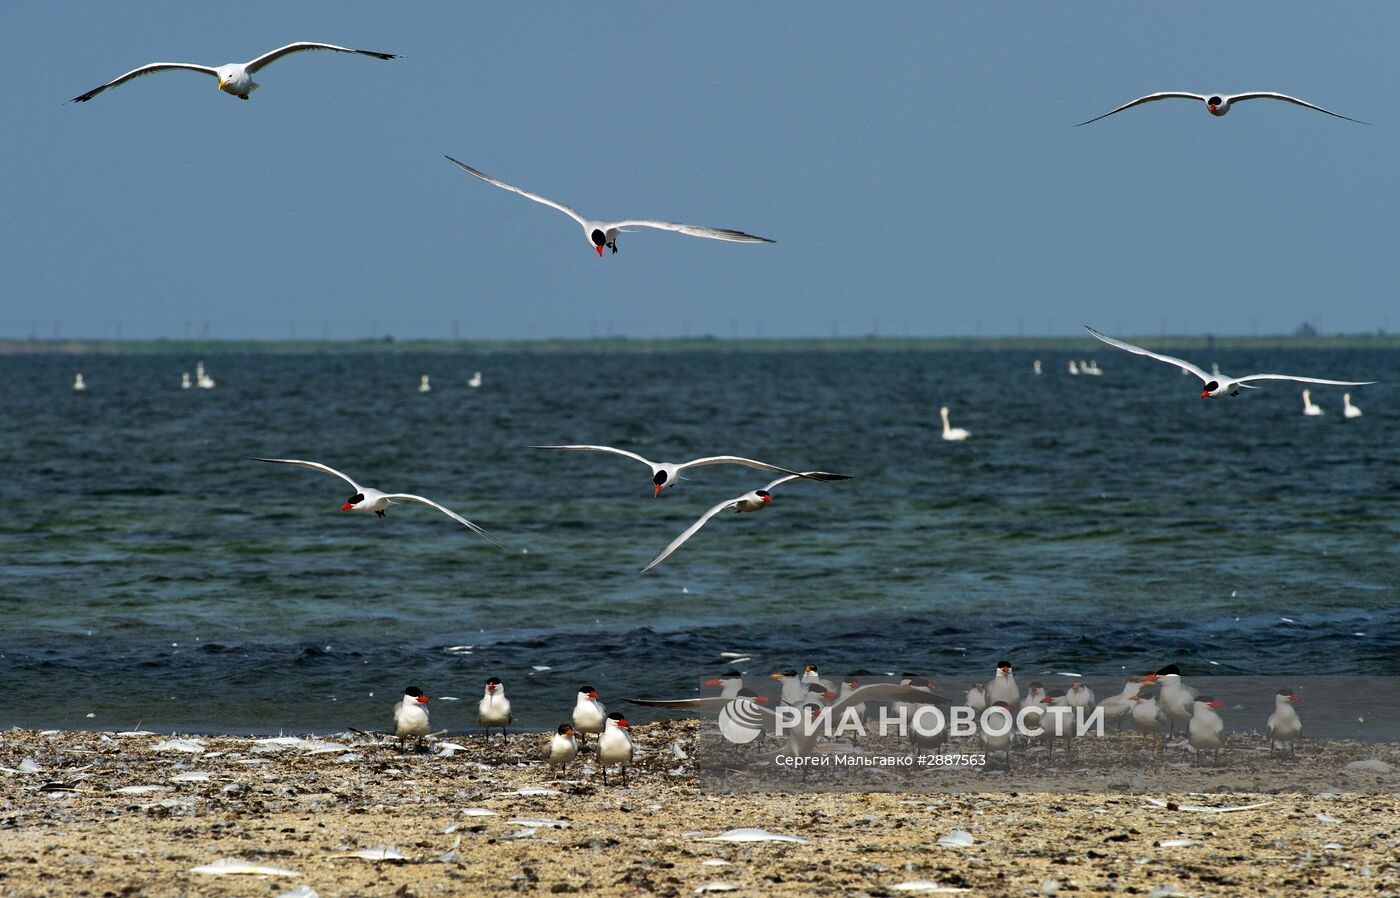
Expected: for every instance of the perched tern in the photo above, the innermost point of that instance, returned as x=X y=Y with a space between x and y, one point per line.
x=1080 y=696
x=562 y=749
x=1284 y=727
x=976 y=698
x=615 y=747
x=920 y=737
x=589 y=714
x=234 y=78
x=367 y=499
x=810 y=674
x=793 y=690
x=1116 y=708
x=1220 y=384
x=1147 y=718
x=604 y=233
x=1219 y=104
x=1058 y=720
x=666 y=473
x=1003 y=688
x=1176 y=700
x=494 y=708
x=950 y=432
x=1206 y=731
x=750 y=501
x=998 y=741
x=1033 y=707
x=411 y=716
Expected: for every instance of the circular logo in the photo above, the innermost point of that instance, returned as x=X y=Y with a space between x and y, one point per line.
x=741 y=721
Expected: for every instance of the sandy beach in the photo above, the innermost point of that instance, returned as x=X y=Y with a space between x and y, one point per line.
x=135 y=814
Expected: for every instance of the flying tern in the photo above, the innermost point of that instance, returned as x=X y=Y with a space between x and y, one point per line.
x=1220 y=384
x=234 y=78
x=367 y=499
x=1219 y=104
x=750 y=501
x=665 y=473
x=604 y=233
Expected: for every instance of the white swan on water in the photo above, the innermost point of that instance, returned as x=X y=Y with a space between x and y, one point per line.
x=424 y=386
x=1349 y=410
x=952 y=433
x=1311 y=408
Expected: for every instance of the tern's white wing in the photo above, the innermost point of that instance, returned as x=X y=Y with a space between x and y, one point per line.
x=525 y=193
x=274 y=55
x=409 y=497
x=313 y=465
x=1306 y=380
x=884 y=692
x=623 y=452
x=1270 y=95
x=728 y=234
x=734 y=460
x=689 y=532
x=705 y=703
x=144 y=70
x=1171 y=360
x=1164 y=95
x=807 y=475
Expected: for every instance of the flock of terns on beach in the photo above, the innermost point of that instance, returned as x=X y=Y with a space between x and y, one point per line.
x=1150 y=702
x=1154 y=705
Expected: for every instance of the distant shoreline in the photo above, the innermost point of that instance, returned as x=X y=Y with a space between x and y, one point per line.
x=1083 y=345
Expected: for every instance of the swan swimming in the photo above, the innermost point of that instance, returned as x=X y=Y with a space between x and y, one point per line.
x=1349 y=410
x=1310 y=408
x=953 y=433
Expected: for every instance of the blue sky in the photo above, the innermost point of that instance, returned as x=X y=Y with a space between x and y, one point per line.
x=916 y=163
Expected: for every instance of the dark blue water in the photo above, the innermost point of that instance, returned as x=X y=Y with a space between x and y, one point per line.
x=149 y=572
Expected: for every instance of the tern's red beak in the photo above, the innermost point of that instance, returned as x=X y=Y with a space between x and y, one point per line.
x=422 y=699
x=593 y=695
x=621 y=723
x=762 y=698
x=767 y=498
x=346 y=507
x=657 y=491
x=1205 y=394
x=829 y=695
x=1295 y=698
x=713 y=681
x=600 y=251
x=1216 y=705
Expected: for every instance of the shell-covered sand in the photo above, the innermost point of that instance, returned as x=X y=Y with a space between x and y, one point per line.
x=74 y=825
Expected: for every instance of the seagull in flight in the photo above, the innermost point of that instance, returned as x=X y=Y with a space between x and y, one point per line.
x=753 y=500
x=1219 y=104
x=1220 y=384
x=667 y=473
x=367 y=499
x=235 y=77
x=604 y=233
